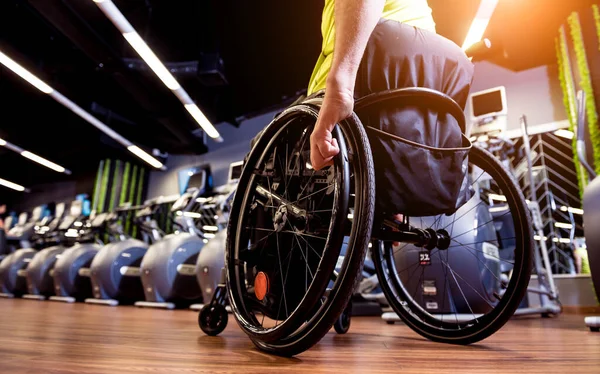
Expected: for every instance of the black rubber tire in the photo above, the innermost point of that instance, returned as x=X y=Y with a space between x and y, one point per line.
x=342 y=325
x=213 y=319
x=595 y=329
x=350 y=273
x=505 y=310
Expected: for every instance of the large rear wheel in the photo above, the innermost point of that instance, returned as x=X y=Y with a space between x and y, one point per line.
x=286 y=229
x=464 y=293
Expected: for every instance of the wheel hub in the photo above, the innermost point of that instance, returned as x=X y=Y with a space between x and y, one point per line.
x=280 y=218
x=439 y=239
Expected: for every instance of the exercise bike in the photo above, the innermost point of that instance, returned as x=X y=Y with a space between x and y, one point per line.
x=71 y=273
x=115 y=270
x=13 y=274
x=168 y=269
x=39 y=272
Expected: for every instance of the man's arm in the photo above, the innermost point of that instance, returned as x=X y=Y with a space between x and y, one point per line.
x=354 y=23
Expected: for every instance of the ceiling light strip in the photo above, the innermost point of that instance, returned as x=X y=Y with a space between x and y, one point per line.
x=33 y=157
x=45 y=88
x=143 y=50
x=480 y=22
x=14 y=186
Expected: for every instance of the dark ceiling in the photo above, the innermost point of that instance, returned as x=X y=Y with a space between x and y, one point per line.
x=267 y=48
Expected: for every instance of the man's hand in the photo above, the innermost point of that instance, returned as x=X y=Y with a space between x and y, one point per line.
x=337 y=106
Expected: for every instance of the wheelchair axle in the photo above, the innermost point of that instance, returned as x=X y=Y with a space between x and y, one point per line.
x=404 y=233
x=286 y=210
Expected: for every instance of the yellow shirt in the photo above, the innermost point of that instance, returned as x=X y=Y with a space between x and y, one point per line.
x=412 y=12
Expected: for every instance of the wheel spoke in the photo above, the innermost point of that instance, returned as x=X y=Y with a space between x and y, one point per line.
x=483 y=224
x=314 y=193
x=475 y=249
x=461 y=291
x=282 y=281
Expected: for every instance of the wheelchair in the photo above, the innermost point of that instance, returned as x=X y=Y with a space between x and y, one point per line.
x=286 y=282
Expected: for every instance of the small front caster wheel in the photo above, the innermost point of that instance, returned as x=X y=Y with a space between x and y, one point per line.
x=595 y=329
x=342 y=325
x=212 y=319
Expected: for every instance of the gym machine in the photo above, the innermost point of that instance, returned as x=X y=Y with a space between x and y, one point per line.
x=12 y=268
x=591 y=208
x=168 y=270
x=71 y=273
x=215 y=211
x=115 y=270
x=40 y=284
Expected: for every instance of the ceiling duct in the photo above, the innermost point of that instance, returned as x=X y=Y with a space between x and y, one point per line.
x=208 y=69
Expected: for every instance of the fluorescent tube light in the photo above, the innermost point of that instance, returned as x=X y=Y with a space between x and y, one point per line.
x=147 y=55
x=113 y=13
x=202 y=121
x=145 y=156
x=571 y=210
x=192 y=214
x=43 y=161
x=562 y=225
x=496 y=197
x=14 y=186
x=564 y=133
x=23 y=73
x=39 y=84
x=33 y=157
x=480 y=22
x=561 y=240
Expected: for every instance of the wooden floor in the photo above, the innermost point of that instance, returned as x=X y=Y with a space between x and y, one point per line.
x=48 y=337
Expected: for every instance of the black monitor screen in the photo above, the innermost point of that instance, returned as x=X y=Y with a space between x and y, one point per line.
x=236 y=172
x=196 y=181
x=490 y=102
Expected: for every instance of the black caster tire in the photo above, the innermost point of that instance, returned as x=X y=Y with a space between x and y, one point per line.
x=595 y=329
x=390 y=322
x=342 y=325
x=213 y=319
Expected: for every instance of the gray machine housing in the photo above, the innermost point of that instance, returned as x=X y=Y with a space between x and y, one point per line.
x=71 y=274
x=40 y=284
x=168 y=269
x=38 y=273
x=13 y=282
x=210 y=262
x=12 y=272
x=115 y=273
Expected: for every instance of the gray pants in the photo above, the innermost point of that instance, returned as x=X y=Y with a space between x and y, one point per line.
x=397 y=56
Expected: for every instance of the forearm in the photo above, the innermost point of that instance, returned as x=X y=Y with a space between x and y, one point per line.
x=354 y=23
